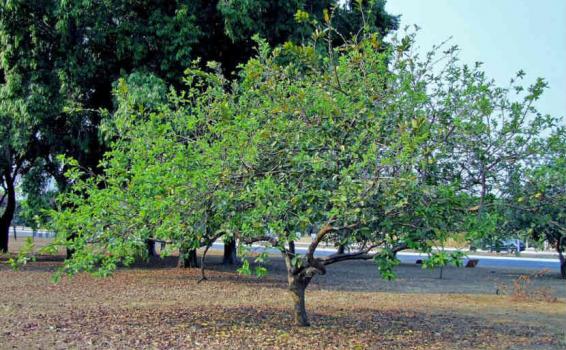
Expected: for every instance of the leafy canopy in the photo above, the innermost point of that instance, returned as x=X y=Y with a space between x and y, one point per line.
x=356 y=143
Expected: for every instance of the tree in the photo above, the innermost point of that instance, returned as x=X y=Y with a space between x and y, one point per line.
x=536 y=198
x=29 y=100
x=491 y=130
x=340 y=146
x=354 y=141
x=83 y=47
x=156 y=184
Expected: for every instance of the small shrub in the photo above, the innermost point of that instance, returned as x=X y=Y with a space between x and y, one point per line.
x=522 y=289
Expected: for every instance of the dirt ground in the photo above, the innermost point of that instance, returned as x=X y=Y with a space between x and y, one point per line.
x=157 y=306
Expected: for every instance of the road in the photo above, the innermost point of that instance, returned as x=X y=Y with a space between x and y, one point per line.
x=513 y=262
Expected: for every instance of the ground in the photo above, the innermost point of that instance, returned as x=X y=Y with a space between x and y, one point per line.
x=161 y=307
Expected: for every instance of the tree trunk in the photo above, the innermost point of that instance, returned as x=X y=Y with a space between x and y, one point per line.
x=70 y=251
x=559 y=249
x=297 y=287
x=230 y=253
x=8 y=215
x=187 y=258
x=150 y=243
x=341 y=249
x=562 y=264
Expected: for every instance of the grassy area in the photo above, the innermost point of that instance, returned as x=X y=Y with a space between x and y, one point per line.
x=159 y=306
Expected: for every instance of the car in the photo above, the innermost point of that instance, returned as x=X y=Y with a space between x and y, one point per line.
x=511 y=245
x=508 y=245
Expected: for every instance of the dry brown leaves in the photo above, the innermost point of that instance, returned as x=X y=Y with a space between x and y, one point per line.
x=164 y=308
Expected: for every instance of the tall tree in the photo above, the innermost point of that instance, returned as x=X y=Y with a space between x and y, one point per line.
x=29 y=97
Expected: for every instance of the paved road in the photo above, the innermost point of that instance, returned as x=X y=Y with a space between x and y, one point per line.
x=497 y=261
x=411 y=258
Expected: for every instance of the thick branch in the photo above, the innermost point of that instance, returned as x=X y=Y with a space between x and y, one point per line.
x=325 y=230
x=272 y=240
x=360 y=255
x=292 y=247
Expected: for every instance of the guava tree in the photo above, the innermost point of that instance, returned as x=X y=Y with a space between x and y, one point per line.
x=353 y=141
x=491 y=131
x=536 y=197
x=338 y=143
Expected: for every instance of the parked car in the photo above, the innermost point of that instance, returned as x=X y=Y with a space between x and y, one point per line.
x=508 y=245
x=500 y=245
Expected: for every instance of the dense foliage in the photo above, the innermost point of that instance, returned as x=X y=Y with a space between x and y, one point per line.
x=29 y=101
x=535 y=198
x=366 y=144
x=61 y=59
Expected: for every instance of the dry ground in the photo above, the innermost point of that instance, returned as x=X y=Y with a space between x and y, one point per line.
x=162 y=307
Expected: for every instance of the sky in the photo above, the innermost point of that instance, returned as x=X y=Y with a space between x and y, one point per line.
x=506 y=35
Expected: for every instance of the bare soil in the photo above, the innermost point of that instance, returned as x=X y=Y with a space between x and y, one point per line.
x=157 y=306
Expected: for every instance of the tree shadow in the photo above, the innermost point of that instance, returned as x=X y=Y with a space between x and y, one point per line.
x=361 y=276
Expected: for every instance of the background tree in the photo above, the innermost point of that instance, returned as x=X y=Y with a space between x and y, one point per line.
x=157 y=178
x=488 y=131
x=535 y=199
x=29 y=99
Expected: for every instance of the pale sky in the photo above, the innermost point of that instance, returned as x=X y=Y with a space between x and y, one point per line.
x=506 y=35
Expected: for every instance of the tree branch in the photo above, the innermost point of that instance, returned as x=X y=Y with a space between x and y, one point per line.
x=360 y=255
x=272 y=240
x=326 y=229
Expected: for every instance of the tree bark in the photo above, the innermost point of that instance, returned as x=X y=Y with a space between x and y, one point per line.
x=562 y=264
x=150 y=243
x=187 y=258
x=230 y=253
x=297 y=287
x=70 y=251
x=559 y=248
x=8 y=215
